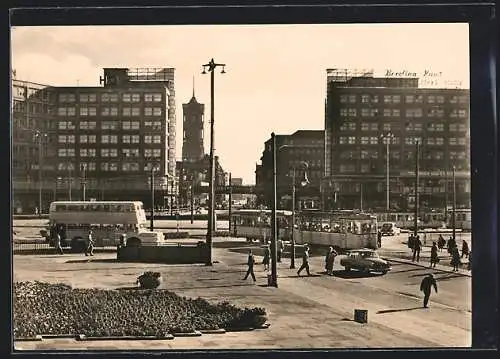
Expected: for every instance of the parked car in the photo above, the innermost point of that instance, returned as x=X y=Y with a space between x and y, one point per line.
x=390 y=229
x=366 y=260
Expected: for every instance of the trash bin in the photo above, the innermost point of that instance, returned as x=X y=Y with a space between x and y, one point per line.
x=361 y=315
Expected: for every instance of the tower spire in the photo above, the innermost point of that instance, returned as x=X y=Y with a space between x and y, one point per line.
x=193 y=86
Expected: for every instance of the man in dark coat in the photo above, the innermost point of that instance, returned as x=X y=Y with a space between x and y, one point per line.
x=379 y=239
x=250 y=263
x=417 y=246
x=426 y=285
x=305 y=262
x=465 y=249
x=267 y=258
x=434 y=255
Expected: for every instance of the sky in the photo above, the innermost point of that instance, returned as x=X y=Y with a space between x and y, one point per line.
x=275 y=77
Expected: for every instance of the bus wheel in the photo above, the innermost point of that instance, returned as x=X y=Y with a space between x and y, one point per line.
x=133 y=242
x=78 y=245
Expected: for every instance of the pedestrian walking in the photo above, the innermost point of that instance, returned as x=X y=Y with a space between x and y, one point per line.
x=455 y=259
x=417 y=246
x=379 y=239
x=57 y=243
x=267 y=257
x=281 y=247
x=434 y=255
x=330 y=260
x=90 y=245
x=426 y=285
x=425 y=238
x=465 y=249
x=469 y=265
x=250 y=263
x=441 y=242
x=451 y=245
x=305 y=262
x=410 y=241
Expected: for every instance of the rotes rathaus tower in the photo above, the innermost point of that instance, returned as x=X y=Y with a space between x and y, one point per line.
x=193 y=124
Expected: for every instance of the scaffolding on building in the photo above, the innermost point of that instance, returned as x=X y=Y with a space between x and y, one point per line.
x=150 y=74
x=344 y=75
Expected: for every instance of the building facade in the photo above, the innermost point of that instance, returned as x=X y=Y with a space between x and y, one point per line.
x=302 y=151
x=368 y=118
x=108 y=139
x=193 y=134
x=33 y=110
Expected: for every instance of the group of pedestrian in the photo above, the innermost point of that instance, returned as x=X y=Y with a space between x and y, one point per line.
x=415 y=244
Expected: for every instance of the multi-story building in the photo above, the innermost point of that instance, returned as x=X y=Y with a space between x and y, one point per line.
x=193 y=135
x=33 y=109
x=369 y=117
x=302 y=150
x=109 y=138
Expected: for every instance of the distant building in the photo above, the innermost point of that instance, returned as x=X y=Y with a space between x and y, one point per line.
x=196 y=174
x=109 y=137
x=362 y=109
x=304 y=148
x=193 y=136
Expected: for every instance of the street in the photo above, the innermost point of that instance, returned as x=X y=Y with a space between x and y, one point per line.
x=310 y=312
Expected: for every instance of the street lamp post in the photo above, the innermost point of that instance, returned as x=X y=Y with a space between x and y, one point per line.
x=39 y=136
x=192 y=200
x=387 y=137
x=230 y=200
x=294 y=190
x=417 y=168
x=84 y=181
x=274 y=258
x=211 y=66
x=151 y=220
x=70 y=180
x=453 y=219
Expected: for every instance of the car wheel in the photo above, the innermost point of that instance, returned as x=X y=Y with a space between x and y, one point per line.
x=347 y=269
x=384 y=272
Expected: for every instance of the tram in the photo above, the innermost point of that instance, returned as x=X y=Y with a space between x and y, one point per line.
x=339 y=229
x=255 y=224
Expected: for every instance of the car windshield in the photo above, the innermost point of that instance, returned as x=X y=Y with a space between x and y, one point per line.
x=387 y=226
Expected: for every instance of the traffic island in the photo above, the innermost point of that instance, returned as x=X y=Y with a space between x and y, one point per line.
x=169 y=253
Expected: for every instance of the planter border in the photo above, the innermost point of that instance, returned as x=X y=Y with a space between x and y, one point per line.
x=213 y=331
x=83 y=337
x=36 y=338
x=196 y=333
x=56 y=336
x=248 y=329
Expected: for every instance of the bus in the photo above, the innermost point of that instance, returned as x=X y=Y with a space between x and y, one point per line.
x=255 y=224
x=340 y=229
x=404 y=220
x=107 y=220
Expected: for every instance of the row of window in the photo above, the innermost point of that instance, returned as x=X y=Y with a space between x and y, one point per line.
x=109 y=139
x=407 y=99
x=109 y=152
x=110 y=111
x=109 y=125
x=431 y=155
x=364 y=168
x=111 y=97
x=349 y=187
x=105 y=166
x=411 y=112
x=438 y=127
x=374 y=140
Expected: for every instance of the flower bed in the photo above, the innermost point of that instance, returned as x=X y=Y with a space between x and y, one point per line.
x=57 y=309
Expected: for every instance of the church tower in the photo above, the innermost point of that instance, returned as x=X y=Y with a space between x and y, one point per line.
x=193 y=123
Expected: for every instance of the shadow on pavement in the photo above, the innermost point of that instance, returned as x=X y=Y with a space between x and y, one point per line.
x=210 y=286
x=449 y=277
x=354 y=274
x=397 y=310
x=407 y=270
